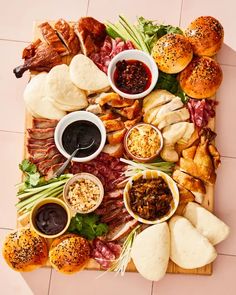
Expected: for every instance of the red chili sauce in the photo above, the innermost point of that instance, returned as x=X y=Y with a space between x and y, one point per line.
x=132 y=76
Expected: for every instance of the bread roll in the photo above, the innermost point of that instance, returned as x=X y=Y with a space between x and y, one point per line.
x=201 y=78
x=206 y=223
x=25 y=250
x=69 y=253
x=189 y=249
x=151 y=250
x=206 y=35
x=172 y=53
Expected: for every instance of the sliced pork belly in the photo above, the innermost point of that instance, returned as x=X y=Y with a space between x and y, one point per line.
x=44 y=165
x=68 y=36
x=38 y=133
x=50 y=36
x=41 y=123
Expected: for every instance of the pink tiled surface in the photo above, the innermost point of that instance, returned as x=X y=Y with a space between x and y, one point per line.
x=16 y=18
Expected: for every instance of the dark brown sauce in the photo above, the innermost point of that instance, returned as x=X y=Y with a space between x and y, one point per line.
x=132 y=76
x=51 y=219
x=81 y=133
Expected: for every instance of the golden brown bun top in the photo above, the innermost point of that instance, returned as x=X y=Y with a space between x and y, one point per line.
x=206 y=35
x=201 y=78
x=69 y=253
x=172 y=53
x=25 y=250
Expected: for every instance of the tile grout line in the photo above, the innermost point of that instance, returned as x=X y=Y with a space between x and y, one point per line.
x=228 y=65
x=229 y=255
x=152 y=287
x=228 y=157
x=6 y=228
x=9 y=131
x=87 y=8
x=181 y=9
x=13 y=40
x=49 y=283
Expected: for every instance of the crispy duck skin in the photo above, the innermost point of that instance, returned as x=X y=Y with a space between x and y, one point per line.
x=44 y=165
x=50 y=36
x=44 y=154
x=38 y=133
x=42 y=123
x=68 y=36
x=91 y=34
x=40 y=57
x=40 y=142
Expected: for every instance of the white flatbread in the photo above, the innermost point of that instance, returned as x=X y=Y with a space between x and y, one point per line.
x=189 y=249
x=206 y=223
x=151 y=251
x=86 y=75
x=36 y=100
x=61 y=89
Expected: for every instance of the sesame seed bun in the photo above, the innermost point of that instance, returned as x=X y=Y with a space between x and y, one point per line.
x=206 y=35
x=24 y=250
x=172 y=53
x=201 y=78
x=69 y=253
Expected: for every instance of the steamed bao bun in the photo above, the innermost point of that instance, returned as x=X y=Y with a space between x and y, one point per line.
x=172 y=53
x=206 y=35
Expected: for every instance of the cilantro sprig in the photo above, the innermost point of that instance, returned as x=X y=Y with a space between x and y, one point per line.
x=31 y=175
x=88 y=226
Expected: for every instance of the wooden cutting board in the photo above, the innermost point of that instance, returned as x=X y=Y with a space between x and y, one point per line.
x=208 y=200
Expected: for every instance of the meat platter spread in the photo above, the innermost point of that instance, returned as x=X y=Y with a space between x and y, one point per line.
x=120 y=161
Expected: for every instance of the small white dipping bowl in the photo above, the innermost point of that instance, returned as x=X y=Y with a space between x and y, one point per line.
x=133 y=54
x=73 y=117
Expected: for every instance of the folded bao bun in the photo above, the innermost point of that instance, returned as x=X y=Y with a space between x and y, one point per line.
x=189 y=249
x=24 y=250
x=206 y=223
x=206 y=35
x=151 y=251
x=201 y=78
x=69 y=253
x=86 y=75
x=172 y=53
x=64 y=93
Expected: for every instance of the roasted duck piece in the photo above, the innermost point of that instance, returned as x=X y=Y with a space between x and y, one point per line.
x=68 y=36
x=91 y=34
x=39 y=57
x=201 y=161
x=50 y=36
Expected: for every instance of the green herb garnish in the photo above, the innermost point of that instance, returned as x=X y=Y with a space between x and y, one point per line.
x=88 y=226
x=31 y=175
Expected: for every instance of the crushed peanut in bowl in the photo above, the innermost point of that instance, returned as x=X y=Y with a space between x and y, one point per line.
x=83 y=195
x=143 y=141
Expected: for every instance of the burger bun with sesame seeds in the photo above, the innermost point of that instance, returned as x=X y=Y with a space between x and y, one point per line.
x=69 y=253
x=24 y=250
x=172 y=53
x=206 y=35
x=201 y=78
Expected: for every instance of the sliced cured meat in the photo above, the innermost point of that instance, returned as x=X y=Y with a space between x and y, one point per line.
x=44 y=165
x=104 y=249
x=50 y=36
x=108 y=50
x=68 y=36
x=37 y=133
x=91 y=34
x=115 y=248
x=201 y=111
x=116 y=194
x=104 y=263
x=42 y=123
x=41 y=142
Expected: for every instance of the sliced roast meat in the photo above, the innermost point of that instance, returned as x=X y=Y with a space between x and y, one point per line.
x=121 y=231
x=116 y=194
x=38 y=133
x=44 y=165
x=41 y=142
x=104 y=263
x=104 y=249
x=49 y=172
x=111 y=215
x=43 y=154
x=41 y=123
x=122 y=219
x=31 y=147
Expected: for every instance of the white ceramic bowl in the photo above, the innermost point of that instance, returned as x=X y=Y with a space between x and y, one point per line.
x=133 y=54
x=150 y=174
x=72 y=117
